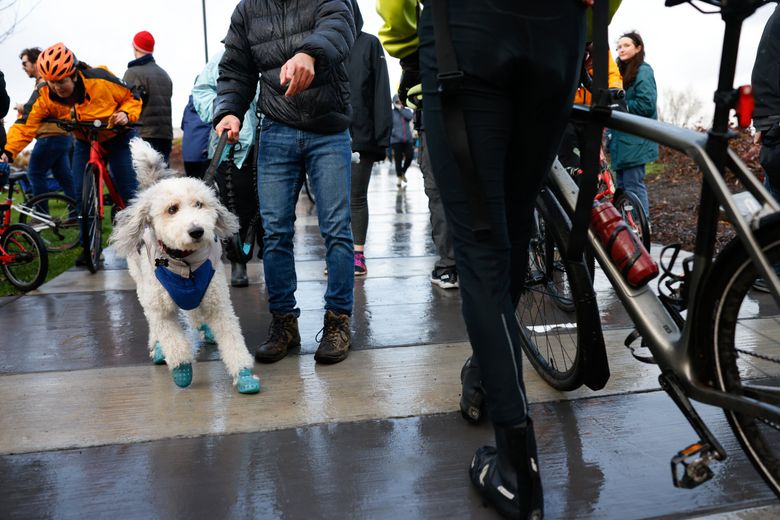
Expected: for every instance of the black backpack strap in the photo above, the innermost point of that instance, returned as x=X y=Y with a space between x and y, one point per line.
x=450 y=77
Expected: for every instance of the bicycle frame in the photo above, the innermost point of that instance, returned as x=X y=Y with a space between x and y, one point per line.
x=672 y=347
x=97 y=156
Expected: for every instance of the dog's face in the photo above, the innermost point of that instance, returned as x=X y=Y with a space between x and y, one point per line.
x=183 y=213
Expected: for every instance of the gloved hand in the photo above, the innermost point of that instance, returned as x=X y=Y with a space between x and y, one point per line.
x=414 y=97
x=410 y=75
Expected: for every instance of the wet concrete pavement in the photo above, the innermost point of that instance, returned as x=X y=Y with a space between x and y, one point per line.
x=89 y=428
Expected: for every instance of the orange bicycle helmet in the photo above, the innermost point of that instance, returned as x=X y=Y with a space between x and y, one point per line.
x=56 y=62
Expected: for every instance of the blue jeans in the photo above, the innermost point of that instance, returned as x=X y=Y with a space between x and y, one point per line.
x=51 y=153
x=284 y=155
x=633 y=180
x=119 y=161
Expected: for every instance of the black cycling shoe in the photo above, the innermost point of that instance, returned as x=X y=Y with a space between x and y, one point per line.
x=81 y=260
x=472 y=399
x=238 y=277
x=507 y=476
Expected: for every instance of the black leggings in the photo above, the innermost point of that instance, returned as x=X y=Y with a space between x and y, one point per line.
x=358 y=200
x=402 y=153
x=521 y=62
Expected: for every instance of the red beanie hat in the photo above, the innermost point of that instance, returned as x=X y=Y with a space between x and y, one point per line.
x=144 y=41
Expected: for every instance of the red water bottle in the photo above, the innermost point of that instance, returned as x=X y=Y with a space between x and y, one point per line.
x=622 y=244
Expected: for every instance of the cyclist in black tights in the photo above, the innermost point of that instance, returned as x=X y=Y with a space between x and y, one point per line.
x=520 y=64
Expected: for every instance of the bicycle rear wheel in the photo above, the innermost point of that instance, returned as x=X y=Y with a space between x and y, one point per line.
x=55 y=218
x=29 y=264
x=633 y=213
x=90 y=219
x=744 y=348
x=550 y=335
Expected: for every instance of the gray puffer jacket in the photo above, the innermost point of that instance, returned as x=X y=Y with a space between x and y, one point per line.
x=155 y=88
x=263 y=35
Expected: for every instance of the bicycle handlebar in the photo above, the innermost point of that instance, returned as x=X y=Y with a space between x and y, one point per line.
x=97 y=124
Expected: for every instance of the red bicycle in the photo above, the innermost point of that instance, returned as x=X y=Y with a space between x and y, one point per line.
x=96 y=178
x=23 y=257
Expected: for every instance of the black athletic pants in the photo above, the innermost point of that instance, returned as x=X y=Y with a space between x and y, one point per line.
x=521 y=62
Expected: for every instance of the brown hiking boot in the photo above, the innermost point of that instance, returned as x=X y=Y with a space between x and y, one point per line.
x=336 y=339
x=282 y=335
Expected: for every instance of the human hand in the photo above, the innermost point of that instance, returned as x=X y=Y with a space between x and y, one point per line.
x=231 y=125
x=118 y=119
x=3 y=158
x=588 y=3
x=298 y=72
x=410 y=75
x=19 y=107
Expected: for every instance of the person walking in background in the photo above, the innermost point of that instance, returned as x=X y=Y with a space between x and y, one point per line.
x=444 y=274
x=53 y=145
x=194 y=141
x=298 y=49
x=629 y=154
x=155 y=89
x=372 y=123
x=402 y=140
x=239 y=164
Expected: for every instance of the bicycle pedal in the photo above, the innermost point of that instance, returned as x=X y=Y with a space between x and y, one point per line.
x=642 y=352
x=691 y=466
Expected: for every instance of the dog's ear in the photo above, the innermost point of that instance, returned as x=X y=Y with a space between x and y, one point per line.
x=227 y=223
x=129 y=227
x=148 y=163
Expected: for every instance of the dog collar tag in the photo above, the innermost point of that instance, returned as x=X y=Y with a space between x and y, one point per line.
x=187 y=293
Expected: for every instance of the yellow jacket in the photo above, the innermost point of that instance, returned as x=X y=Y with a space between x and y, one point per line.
x=615 y=80
x=98 y=95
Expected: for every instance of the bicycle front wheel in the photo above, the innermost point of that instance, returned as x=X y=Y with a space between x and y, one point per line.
x=90 y=219
x=550 y=312
x=55 y=217
x=633 y=213
x=744 y=345
x=28 y=264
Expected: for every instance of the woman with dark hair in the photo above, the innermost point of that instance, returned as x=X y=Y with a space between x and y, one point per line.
x=629 y=153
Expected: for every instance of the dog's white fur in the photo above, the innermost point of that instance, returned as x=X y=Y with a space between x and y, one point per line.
x=197 y=206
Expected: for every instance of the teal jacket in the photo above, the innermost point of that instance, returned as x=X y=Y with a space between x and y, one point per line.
x=203 y=95
x=627 y=150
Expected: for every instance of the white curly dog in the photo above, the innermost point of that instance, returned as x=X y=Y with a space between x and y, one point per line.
x=170 y=236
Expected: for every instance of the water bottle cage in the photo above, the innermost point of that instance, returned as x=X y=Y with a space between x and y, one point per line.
x=673 y=287
x=637 y=248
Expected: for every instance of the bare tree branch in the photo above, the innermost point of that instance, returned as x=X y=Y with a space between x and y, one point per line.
x=7 y=29
x=681 y=108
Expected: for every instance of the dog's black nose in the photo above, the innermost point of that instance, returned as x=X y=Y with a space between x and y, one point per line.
x=196 y=232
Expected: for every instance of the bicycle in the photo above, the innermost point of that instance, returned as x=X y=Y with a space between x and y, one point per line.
x=53 y=215
x=23 y=256
x=96 y=176
x=717 y=354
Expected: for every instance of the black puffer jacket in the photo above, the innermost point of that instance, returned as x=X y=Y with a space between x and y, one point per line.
x=372 y=118
x=263 y=35
x=155 y=88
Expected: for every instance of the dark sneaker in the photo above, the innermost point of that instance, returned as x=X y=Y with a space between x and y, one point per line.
x=360 y=264
x=282 y=335
x=336 y=339
x=445 y=277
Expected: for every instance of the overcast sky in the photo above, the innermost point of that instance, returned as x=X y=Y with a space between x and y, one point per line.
x=682 y=45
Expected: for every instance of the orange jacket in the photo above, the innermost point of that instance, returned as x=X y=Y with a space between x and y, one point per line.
x=615 y=80
x=101 y=95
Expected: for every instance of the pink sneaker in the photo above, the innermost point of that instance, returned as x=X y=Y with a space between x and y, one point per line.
x=360 y=264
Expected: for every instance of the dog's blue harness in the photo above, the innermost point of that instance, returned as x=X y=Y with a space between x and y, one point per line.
x=185 y=275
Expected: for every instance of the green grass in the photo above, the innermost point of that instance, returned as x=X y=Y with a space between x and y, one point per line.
x=58 y=262
x=654 y=168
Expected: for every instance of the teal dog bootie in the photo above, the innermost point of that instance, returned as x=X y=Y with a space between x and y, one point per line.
x=158 y=358
x=207 y=334
x=182 y=375
x=247 y=383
